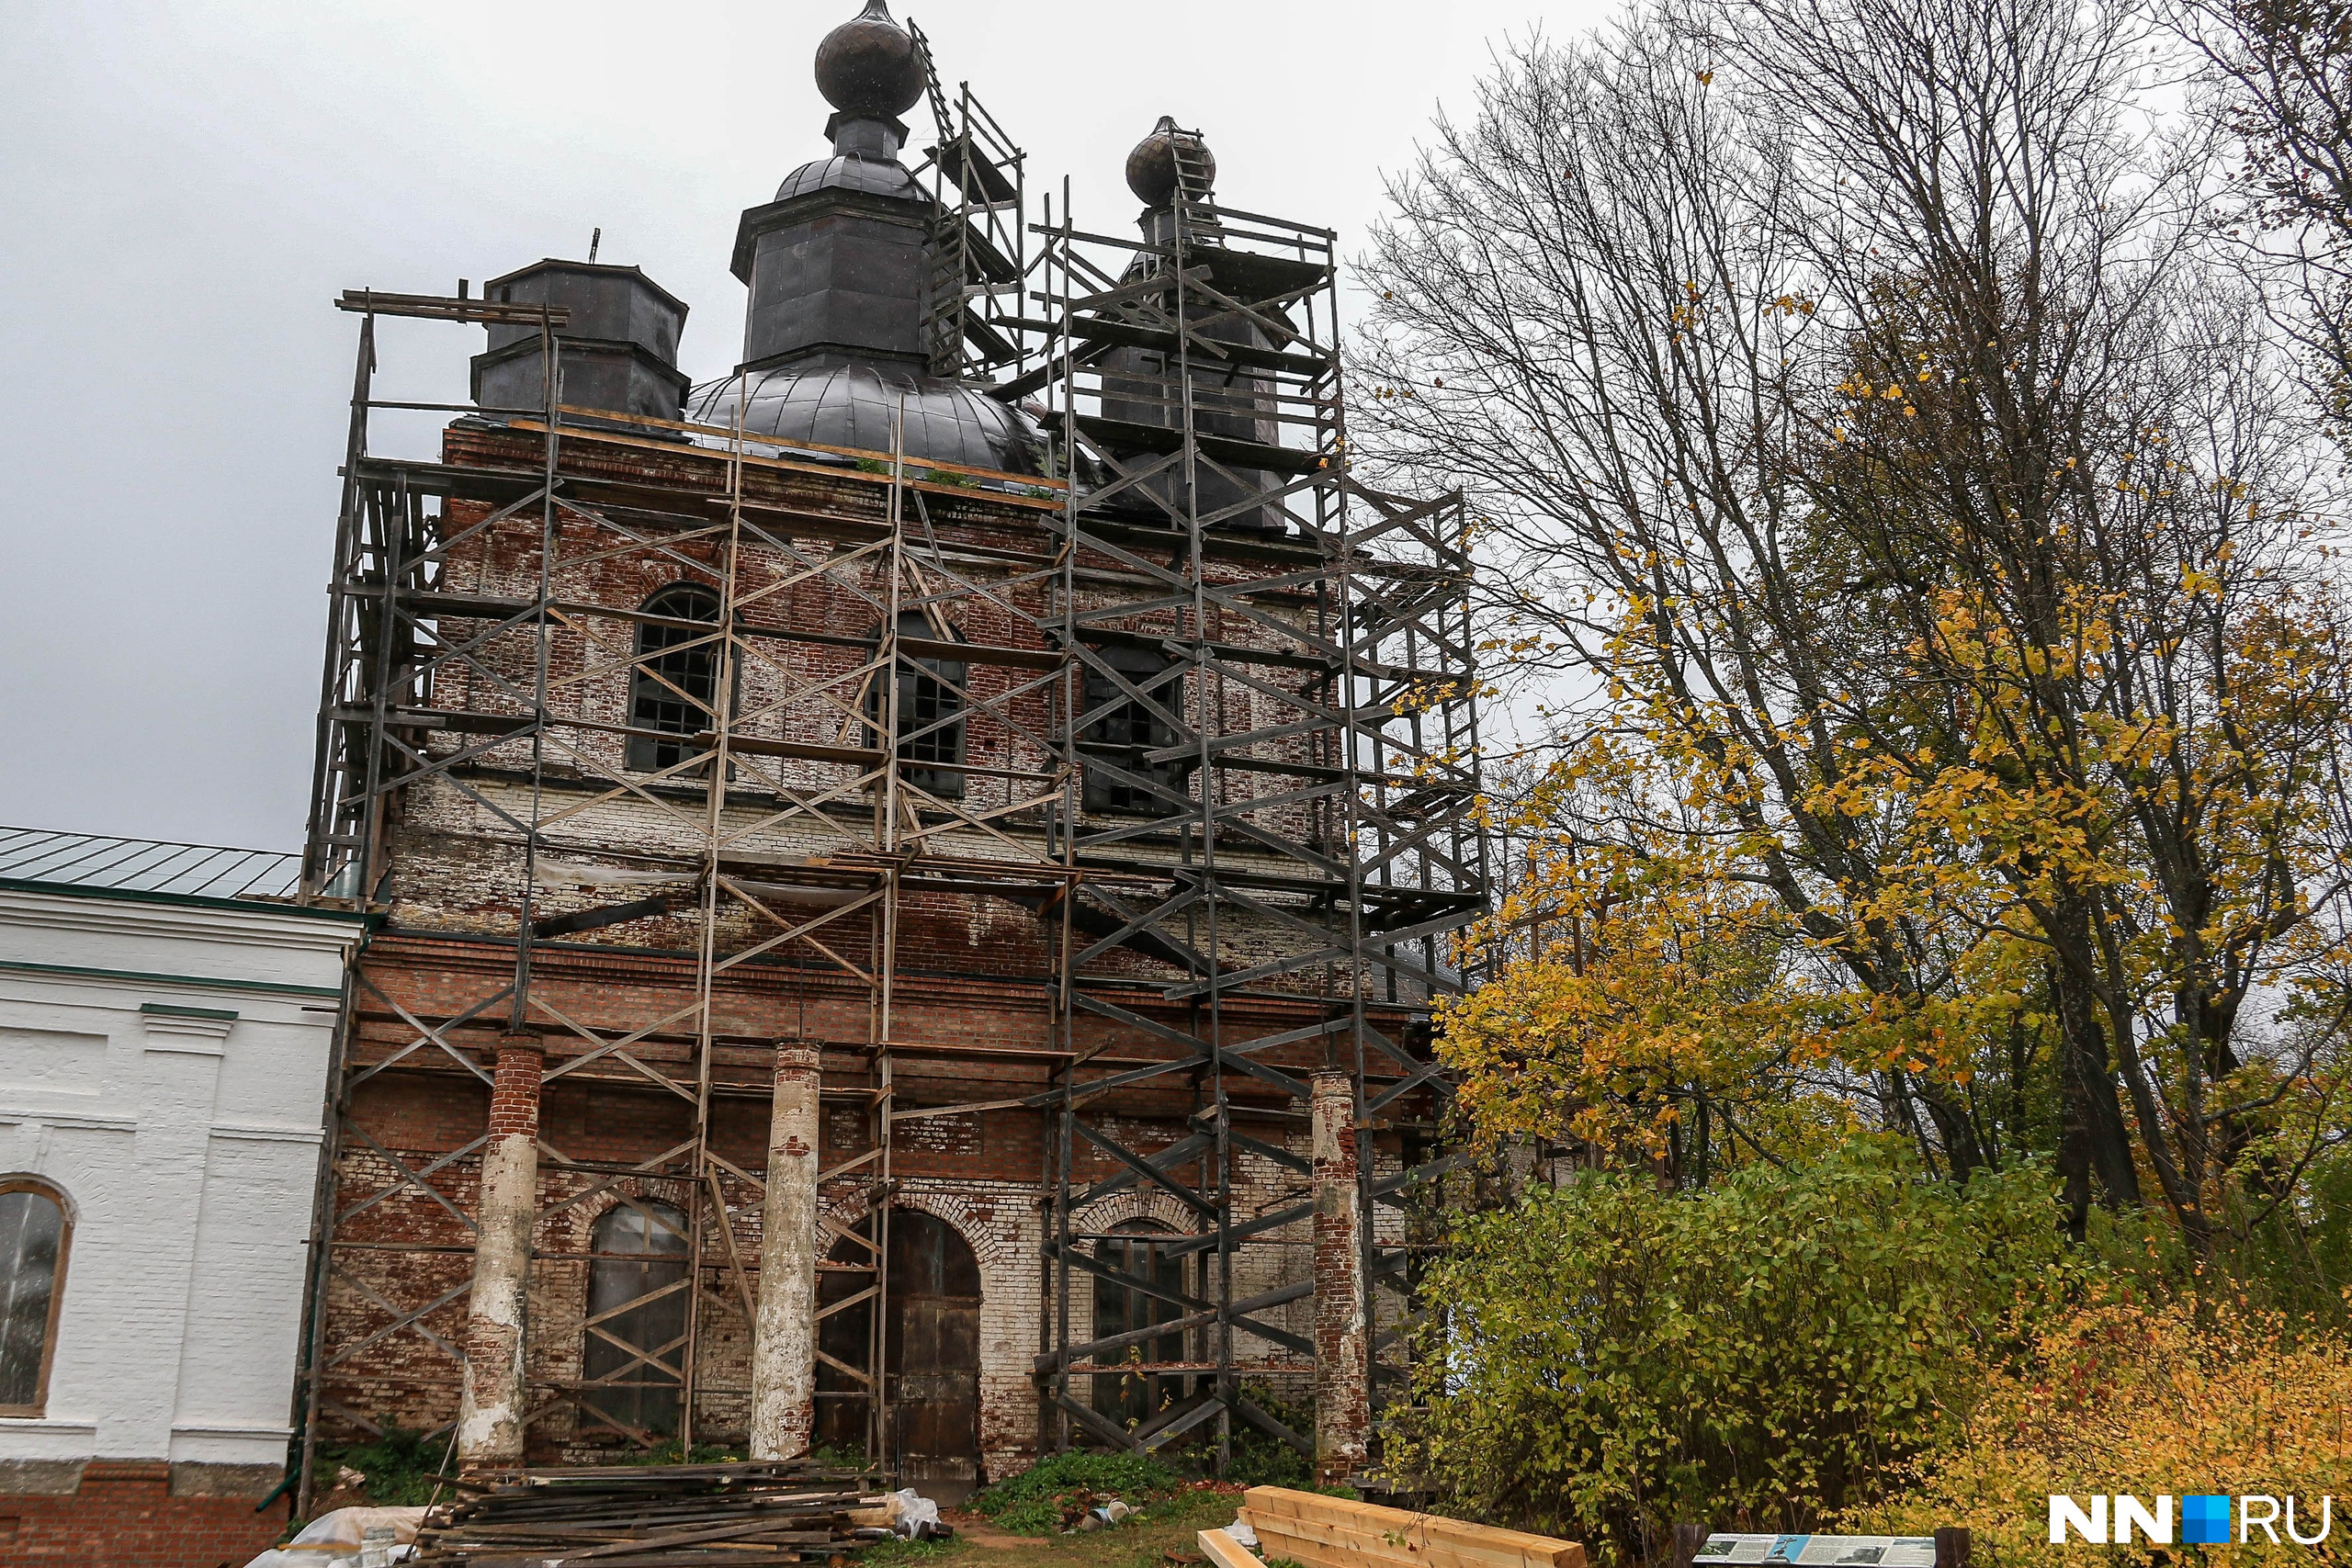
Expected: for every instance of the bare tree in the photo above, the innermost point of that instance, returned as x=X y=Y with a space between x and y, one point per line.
x=1767 y=334
x=2279 y=78
x=1596 y=302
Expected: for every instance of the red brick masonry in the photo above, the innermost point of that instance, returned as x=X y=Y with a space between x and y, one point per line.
x=125 y=1517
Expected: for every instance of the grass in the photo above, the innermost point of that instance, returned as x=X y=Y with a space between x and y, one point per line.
x=899 y=1549
x=1159 y=1535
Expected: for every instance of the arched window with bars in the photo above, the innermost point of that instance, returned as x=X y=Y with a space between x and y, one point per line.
x=636 y=1326
x=673 y=684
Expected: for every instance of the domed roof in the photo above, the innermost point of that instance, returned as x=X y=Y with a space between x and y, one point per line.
x=1151 y=167
x=847 y=171
x=832 y=401
x=868 y=66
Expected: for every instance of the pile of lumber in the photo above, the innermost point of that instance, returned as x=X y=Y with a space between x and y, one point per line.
x=1332 y=1532
x=652 y=1516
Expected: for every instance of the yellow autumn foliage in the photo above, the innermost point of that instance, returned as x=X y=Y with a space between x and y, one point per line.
x=2125 y=1396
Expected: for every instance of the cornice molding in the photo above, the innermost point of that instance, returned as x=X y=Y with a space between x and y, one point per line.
x=242 y=926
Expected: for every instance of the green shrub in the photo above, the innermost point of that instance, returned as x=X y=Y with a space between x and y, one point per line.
x=1031 y=1502
x=402 y=1467
x=1255 y=1458
x=1609 y=1359
x=672 y=1452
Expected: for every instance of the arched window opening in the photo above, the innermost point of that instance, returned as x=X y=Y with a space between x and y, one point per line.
x=672 y=686
x=635 y=1330
x=34 y=1236
x=1132 y=1249
x=1122 y=732
x=931 y=709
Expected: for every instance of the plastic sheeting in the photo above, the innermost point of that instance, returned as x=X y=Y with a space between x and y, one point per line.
x=348 y=1538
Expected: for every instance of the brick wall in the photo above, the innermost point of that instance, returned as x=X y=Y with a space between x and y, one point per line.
x=971 y=984
x=124 y=1515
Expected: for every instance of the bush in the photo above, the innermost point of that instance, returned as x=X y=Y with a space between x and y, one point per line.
x=2124 y=1396
x=1255 y=1458
x=1033 y=1502
x=1611 y=1358
x=402 y=1467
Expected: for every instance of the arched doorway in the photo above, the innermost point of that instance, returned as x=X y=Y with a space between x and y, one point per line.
x=930 y=1355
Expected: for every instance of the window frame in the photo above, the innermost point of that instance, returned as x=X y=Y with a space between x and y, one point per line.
x=1114 y=1390
x=641 y=749
x=943 y=776
x=651 y=1213
x=55 y=1194
x=1139 y=668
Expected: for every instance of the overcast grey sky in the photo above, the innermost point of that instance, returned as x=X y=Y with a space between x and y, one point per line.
x=188 y=186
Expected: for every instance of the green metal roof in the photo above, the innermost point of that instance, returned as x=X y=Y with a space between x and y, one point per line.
x=102 y=863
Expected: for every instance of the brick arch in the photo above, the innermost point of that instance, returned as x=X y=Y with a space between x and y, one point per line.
x=950 y=1210
x=1120 y=1208
x=576 y=1222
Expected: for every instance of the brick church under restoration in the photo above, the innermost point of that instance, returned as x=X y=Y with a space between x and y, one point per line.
x=911 y=879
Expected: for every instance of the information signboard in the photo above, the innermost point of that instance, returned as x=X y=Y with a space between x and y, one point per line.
x=1820 y=1551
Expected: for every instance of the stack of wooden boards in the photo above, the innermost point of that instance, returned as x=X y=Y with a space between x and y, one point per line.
x=651 y=1516
x=1318 y=1531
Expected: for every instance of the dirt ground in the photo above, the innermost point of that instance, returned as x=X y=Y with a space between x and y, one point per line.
x=1161 y=1537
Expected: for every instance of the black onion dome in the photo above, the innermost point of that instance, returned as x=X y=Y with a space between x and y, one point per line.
x=1151 y=167
x=833 y=400
x=868 y=66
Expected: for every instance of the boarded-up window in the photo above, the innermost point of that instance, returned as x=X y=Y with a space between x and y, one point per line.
x=33 y=1235
x=637 y=1316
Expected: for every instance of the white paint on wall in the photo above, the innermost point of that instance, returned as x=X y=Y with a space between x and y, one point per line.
x=164 y=1064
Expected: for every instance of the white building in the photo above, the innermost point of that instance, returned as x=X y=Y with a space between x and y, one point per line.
x=166 y=1024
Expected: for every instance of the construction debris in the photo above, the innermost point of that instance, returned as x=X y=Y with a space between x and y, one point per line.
x=652 y=1516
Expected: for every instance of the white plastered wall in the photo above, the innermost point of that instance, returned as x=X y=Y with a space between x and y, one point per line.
x=162 y=1064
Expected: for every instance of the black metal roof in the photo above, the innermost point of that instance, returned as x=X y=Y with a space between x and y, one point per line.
x=835 y=401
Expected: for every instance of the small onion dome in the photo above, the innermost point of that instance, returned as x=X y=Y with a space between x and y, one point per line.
x=867 y=66
x=1151 y=167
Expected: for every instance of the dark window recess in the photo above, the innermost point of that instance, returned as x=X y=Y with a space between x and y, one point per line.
x=636 y=1316
x=32 y=1257
x=672 y=687
x=931 y=726
x=1125 y=730
x=1128 y=1397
